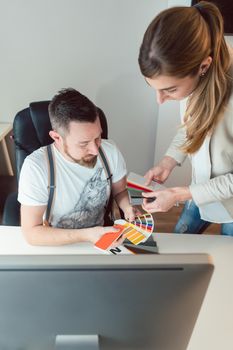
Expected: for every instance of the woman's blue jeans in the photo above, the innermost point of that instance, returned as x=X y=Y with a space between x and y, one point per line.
x=191 y=222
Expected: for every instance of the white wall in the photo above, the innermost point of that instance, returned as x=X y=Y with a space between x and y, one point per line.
x=91 y=45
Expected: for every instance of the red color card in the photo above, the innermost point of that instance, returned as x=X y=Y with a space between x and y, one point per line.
x=137 y=187
x=138 y=182
x=108 y=238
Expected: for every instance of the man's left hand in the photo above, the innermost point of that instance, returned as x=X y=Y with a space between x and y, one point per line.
x=130 y=213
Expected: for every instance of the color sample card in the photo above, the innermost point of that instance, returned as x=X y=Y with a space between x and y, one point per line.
x=109 y=238
x=138 y=188
x=135 y=196
x=147 y=247
x=137 y=182
x=139 y=230
x=145 y=222
x=136 y=185
x=133 y=235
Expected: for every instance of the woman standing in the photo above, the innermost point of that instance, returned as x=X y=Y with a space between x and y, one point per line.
x=184 y=57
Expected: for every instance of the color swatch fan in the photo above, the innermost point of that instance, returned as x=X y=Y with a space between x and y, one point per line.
x=144 y=222
x=136 y=232
x=139 y=230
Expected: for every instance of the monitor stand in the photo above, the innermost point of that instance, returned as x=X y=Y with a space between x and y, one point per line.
x=77 y=342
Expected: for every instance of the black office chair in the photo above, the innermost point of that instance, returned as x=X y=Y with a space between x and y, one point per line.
x=31 y=131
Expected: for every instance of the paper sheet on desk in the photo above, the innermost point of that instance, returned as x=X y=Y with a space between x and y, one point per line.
x=121 y=250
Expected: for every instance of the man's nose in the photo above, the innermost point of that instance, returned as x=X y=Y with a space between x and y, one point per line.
x=93 y=149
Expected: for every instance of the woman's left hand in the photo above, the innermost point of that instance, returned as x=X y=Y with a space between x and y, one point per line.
x=165 y=199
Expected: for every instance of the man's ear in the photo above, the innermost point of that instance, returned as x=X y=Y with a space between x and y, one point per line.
x=55 y=136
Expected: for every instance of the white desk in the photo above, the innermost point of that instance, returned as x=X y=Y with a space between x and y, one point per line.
x=213 y=330
x=6 y=167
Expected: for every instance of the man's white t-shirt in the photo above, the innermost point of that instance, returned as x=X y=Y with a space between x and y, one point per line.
x=81 y=193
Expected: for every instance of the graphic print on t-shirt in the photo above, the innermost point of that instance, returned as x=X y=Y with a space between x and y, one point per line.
x=89 y=209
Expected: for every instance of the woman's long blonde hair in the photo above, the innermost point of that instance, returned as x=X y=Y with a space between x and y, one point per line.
x=175 y=44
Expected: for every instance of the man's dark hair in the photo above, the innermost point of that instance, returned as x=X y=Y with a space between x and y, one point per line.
x=70 y=105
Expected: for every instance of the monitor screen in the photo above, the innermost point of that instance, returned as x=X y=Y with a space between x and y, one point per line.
x=101 y=302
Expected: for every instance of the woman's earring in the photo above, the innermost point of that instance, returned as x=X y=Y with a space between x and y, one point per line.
x=204 y=69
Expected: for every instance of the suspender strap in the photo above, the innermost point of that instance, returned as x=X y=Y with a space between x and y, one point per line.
x=108 y=217
x=51 y=186
x=106 y=166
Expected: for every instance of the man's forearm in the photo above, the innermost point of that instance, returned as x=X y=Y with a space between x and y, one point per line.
x=45 y=235
x=122 y=200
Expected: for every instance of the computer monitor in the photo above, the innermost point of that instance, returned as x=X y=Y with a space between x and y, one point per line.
x=115 y=302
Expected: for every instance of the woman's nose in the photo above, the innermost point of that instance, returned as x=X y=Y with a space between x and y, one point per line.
x=162 y=97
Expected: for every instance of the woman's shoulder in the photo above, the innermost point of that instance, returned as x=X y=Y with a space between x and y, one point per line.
x=230 y=104
x=228 y=114
x=230 y=48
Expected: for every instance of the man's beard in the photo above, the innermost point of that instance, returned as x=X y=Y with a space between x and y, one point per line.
x=88 y=161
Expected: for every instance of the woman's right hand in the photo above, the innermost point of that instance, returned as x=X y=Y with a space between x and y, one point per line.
x=160 y=172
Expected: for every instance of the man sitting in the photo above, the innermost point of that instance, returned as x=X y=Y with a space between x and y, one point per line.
x=82 y=184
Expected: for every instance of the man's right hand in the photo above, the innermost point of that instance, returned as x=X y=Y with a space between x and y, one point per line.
x=38 y=234
x=97 y=232
x=161 y=171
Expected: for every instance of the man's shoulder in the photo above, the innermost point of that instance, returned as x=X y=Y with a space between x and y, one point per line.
x=113 y=154
x=37 y=156
x=109 y=146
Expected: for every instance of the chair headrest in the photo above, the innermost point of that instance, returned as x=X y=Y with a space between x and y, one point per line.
x=31 y=130
x=40 y=119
